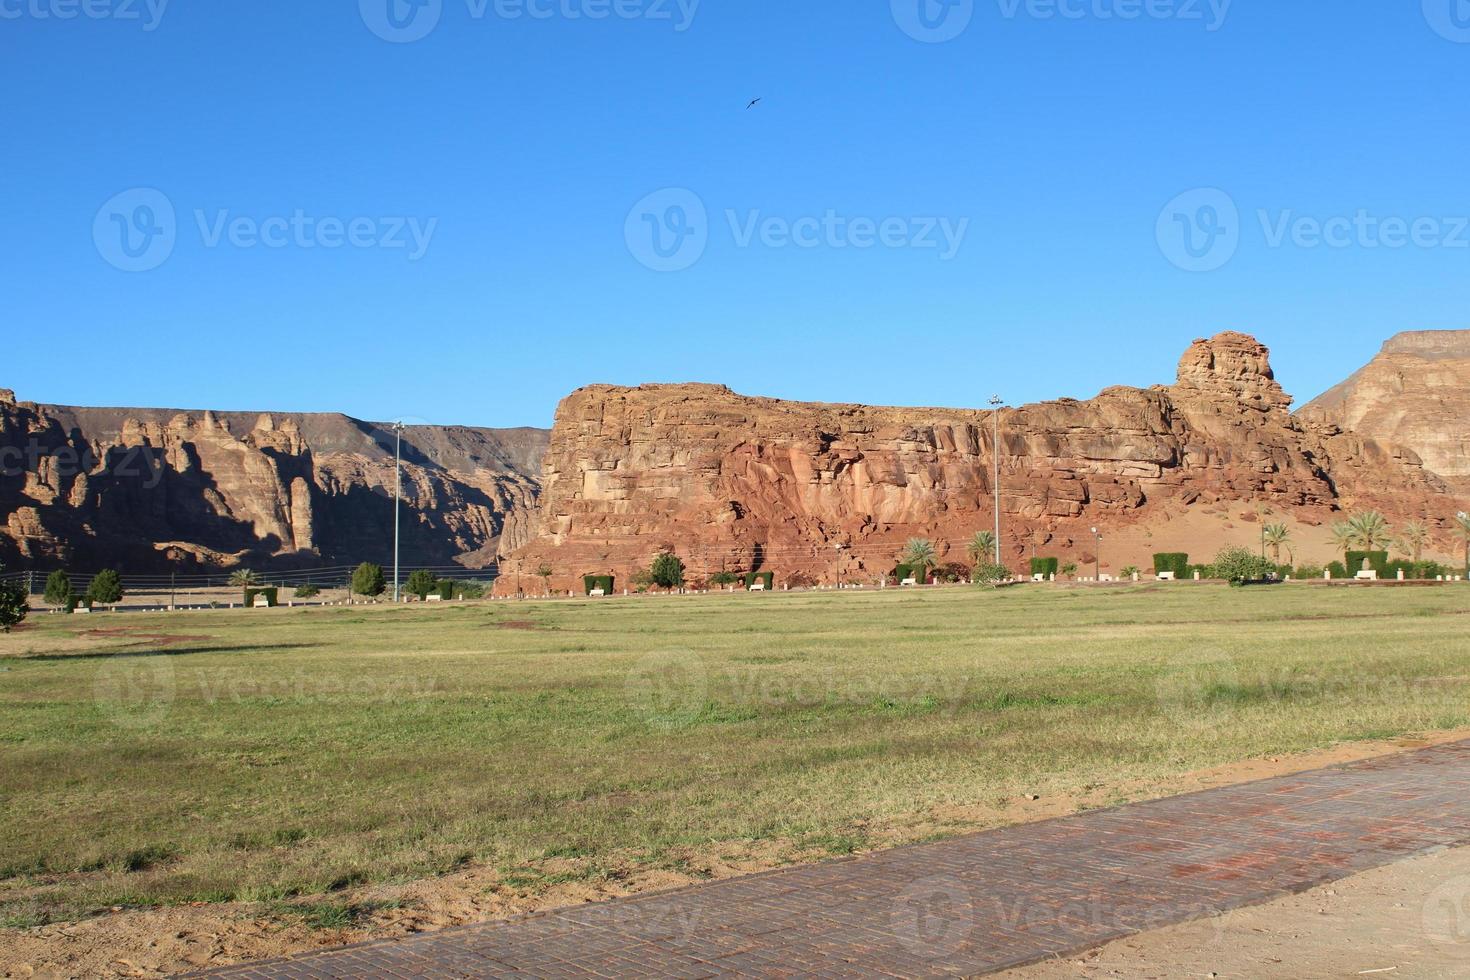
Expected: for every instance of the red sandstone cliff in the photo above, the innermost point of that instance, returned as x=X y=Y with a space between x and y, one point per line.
x=833 y=491
x=149 y=489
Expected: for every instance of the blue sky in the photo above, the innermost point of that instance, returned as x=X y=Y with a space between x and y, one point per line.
x=1066 y=147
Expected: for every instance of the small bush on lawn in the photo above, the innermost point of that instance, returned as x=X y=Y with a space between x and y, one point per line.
x=368 y=580
x=58 y=588
x=106 y=588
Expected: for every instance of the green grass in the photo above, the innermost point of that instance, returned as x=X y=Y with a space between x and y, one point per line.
x=281 y=757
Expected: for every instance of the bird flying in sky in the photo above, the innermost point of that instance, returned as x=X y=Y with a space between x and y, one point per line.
x=753 y=103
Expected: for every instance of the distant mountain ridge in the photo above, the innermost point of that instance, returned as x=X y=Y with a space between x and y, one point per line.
x=154 y=488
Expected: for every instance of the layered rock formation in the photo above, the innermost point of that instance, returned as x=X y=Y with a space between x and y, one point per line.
x=1415 y=393
x=149 y=489
x=831 y=492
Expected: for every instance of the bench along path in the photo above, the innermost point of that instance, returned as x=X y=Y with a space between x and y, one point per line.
x=973 y=904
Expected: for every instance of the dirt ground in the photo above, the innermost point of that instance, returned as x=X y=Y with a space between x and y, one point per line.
x=165 y=941
x=1406 y=920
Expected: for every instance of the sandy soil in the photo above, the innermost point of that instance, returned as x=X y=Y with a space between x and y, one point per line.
x=160 y=942
x=1406 y=920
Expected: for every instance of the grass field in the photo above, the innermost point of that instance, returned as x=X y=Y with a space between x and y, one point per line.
x=257 y=756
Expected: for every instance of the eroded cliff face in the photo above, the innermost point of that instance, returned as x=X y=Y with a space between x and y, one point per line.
x=152 y=489
x=1415 y=393
x=831 y=492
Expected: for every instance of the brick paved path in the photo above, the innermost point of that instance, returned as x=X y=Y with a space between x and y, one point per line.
x=975 y=904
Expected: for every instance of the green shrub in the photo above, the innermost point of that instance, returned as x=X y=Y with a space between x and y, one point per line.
x=466 y=590
x=105 y=588
x=1046 y=567
x=271 y=593
x=58 y=588
x=1239 y=565
x=591 y=583
x=725 y=578
x=768 y=579
x=1338 y=569
x=420 y=583
x=667 y=571
x=14 y=605
x=368 y=580
x=988 y=573
x=307 y=591
x=1308 y=571
x=1173 y=561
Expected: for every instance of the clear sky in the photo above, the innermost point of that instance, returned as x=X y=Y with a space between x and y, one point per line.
x=934 y=201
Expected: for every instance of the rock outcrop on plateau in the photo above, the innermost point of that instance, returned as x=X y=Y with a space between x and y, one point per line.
x=831 y=492
x=153 y=489
x=1416 y=394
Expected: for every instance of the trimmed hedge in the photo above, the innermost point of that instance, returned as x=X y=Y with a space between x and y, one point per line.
x=1046 y=567
x=592 y=583
x=1173 y=561
x=901 y=572
x=768 y=578
x=1377 y=561
x=271 y=593
x=445 y=588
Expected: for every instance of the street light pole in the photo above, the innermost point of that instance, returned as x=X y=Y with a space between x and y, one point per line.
x=397 y=493
x=995 y=404
x=1097 y=552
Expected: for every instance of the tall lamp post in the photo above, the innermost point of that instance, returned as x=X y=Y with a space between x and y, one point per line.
x=397 y=494
x=1097 y=552
x=995 y=404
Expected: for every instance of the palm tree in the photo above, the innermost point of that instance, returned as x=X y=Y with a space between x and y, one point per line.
x=545 y=571
x=919 y=555
x=1412 y=538
x=1277 y=536
x=244 y=577
x=1370 y=531
x=1343 y=536
x=982 y=547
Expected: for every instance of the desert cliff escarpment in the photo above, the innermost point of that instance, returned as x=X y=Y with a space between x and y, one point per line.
x=1416 y=394
x=831 y=492
x=148 y=489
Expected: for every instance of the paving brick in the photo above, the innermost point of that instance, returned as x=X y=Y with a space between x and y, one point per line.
x=974 y=904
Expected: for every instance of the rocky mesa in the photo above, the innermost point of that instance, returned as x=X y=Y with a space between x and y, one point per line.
x=831 y=492
x=1415 y=393
x=163 y=489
